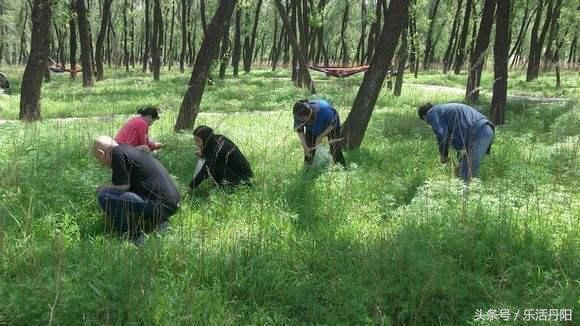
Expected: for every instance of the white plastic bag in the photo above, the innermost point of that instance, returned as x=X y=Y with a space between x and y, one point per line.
x=322 y=157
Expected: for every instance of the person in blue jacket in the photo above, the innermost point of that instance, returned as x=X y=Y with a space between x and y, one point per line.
x=466 y=129
x=314 y=120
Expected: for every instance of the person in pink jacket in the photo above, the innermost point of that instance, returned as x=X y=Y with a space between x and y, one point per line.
x=135 y=132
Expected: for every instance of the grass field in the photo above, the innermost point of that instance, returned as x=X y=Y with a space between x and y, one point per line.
x=392 y=240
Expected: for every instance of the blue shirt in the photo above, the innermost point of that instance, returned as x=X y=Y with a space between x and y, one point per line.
x=324 y=115
x=455 y=123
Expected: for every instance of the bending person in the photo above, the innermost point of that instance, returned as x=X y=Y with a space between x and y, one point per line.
x=141 y=187
x=468 y=131
x=314 y=120
x=219 y=159
x=135 y=132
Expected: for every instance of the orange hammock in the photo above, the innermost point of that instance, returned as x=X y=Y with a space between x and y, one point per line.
x=340 y=72
x=60 y=69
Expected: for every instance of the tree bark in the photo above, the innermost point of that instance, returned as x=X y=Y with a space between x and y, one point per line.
x=157 y=39
x=237 y=43
x=86 y=44
x=72 y=25
x=500 y=65
x=184 y=19
x=402 y=56
x=429 y=45
x=37 y=61
x=125 y=41
x=448 y=57
x=358 y=119
x=207 y=52
x=225 y=52
x=170 y=54
x=202 y=16
x=460 y=56
x=296 y=48
x=252 y=44
x=477 y=57
x=548 y=55
x=537 y=42
x=146 y=38
x=360 y=48
x=101 y=39
x=343 y=49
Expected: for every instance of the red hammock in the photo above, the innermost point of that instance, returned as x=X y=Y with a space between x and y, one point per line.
x=340 y=72
x=60 y=69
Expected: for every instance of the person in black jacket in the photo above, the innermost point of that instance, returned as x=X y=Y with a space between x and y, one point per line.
x=219 y=159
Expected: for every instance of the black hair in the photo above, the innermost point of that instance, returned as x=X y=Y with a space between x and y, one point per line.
x=301 y=108
x=151 y=111
x=423 y=109
x=208 y=138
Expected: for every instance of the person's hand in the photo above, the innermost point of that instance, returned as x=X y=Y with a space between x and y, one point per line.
x=102 y=187
x=317 y=142
x=444 y=159
x=144 y=148
x=307 y=152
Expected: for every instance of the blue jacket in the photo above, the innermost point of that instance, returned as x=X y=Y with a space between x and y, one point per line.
x=455 y=123
x=324 y=115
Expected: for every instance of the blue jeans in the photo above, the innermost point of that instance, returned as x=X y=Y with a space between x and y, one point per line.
x=469 y=164
x=123 y=209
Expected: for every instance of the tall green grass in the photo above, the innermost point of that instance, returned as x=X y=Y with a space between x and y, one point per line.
x=393 y=239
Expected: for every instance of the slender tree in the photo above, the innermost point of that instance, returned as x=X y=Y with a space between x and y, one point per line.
x=460 y=56
x=360 y=48
x=209 y=47
x=249 y=53
x=72 y=25
x=237 y=42
x=184 y=19
x=536 y=42
x=225 y=52
x=157 y=39
x=125 y=45
x=86 y=44
x=37 y=61
x=169 y=57
x=402 y=57
x=358 y=119
x=429 y=44
x=548 y=54
x=344 y=58
x=500 y=65
x=296 y=48
x=477 y=57
x=448 y=57
x=146 y=38
x=101 y=39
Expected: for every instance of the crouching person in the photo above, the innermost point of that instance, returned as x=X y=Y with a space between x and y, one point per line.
x=219 y=159
x=141 y=188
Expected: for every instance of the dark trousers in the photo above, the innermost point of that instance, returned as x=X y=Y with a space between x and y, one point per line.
x=124 y=209
x=335 y=148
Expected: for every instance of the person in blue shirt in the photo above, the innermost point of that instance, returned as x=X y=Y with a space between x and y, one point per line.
x=314 y=120
x=466 y=129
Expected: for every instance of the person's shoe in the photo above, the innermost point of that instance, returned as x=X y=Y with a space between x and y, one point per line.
x=164 y=227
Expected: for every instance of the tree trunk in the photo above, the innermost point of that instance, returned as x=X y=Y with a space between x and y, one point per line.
x=343 y=49
x=500 y=65
x=477 y=57
x=170 y=54
x=523 y=28
x=157 y=39
x=21 y=56
x=572 y=53
x=537 y=43
x=429 y=46
x=447 y=58
x=402 y=56
x=132 y=36
x=296 y=48
x=375 y=31
x=548 y=55
x=184 y=19
x=37 y=61
x=86 y=44
x=225 y=52
x=248 y=61
x=146 y=41
x=202 y=16
x=237 y=43
x=209 y=47
x=358 y=119
x=273 y=50
x=460 y=57
x=101 y=39
x=125 y=45
x=72 y=25
x=321 y=50
x=360 y=48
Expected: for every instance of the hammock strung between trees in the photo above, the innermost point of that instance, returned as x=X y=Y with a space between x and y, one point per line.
x=340 y=72
x=60 y=69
